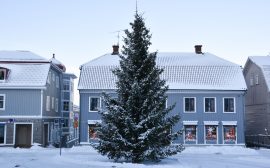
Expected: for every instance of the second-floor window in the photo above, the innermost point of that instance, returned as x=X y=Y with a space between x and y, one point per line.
x=48 y=103
x=229 y=105
x=94 y=104
x=209 y=104
x=2 y=102
x=56 y=105
x=189 y=104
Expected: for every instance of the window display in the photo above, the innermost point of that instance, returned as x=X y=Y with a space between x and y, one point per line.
x=190 y=133
x=229 y=134
x=211 y=134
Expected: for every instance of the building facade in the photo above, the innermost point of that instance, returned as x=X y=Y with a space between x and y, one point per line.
x=208 y=92
x=30 y=99
x=257 y=76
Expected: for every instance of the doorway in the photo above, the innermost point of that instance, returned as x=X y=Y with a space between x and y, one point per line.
x=23 y=135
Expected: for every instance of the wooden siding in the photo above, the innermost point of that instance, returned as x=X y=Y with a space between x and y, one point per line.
x=257 y=101
x=52 y=91
x=21 y=102
x=177 y=98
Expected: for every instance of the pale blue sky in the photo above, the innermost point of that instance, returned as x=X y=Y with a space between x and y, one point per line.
x=80 y=30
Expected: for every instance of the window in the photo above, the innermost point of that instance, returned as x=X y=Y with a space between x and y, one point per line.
x=66 y=95
x=57 y=81
x=65 y=106
x=210 y=104
x=251 y=82
x=94 y=103
x=56 y=105
x=229 y=132
x=53 y=77
x=211 y=134
x=190 y=133
x=49 y=77
x=52 y=102
x=228 y=104
x=2 y=74
x=2 y=102
x=2 y=133
x=48 y=103
x=257 y=79
x=66 y=85
x=189 y=104
x=93 y=128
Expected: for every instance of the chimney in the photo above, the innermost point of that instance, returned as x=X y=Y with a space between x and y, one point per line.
x=115 y=50
x=198 y=49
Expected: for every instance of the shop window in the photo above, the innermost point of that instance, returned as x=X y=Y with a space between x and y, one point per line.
x=211 y=134
x=229 y=132
x=93 y=128
x=190 y=133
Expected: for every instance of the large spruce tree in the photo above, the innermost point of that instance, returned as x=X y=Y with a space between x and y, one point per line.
x=136 y=126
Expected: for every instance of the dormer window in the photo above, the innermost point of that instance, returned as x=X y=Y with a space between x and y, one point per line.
x=3 y=73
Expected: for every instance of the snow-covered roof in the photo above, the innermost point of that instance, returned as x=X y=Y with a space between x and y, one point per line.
x=25 y=75
x=264 y=63
x=181 y=71
x=18 y=55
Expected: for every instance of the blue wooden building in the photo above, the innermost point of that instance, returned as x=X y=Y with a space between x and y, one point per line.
x=30 y=99
x=208 y=92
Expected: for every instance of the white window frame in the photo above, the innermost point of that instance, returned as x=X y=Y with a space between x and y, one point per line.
x=215 y=104
x=48 y=103
x=257 y=79
x=57 y=81
x=5 y=133
x=211 y=123
x=49 y=77
x=251 y=81
x=229 y=123
x=52 y=103
x=89 y=105
x=184 y=105
x=56 y=104
x=4 y=101
x=233 y=105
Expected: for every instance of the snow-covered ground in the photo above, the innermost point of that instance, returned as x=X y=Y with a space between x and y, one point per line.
x=87 y=157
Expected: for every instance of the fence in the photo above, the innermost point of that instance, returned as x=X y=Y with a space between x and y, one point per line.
x=258 y=141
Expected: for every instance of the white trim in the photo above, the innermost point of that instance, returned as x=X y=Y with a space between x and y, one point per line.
x=215 y=99
x=229 y=122
x=204 y=139
x=210 y=123
x=190 y=122
x=23 y=123
x=4 y=102
x=89 y=103
x=184 y=105
x=93 y=121
x=5 y=134
x=234 y=105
